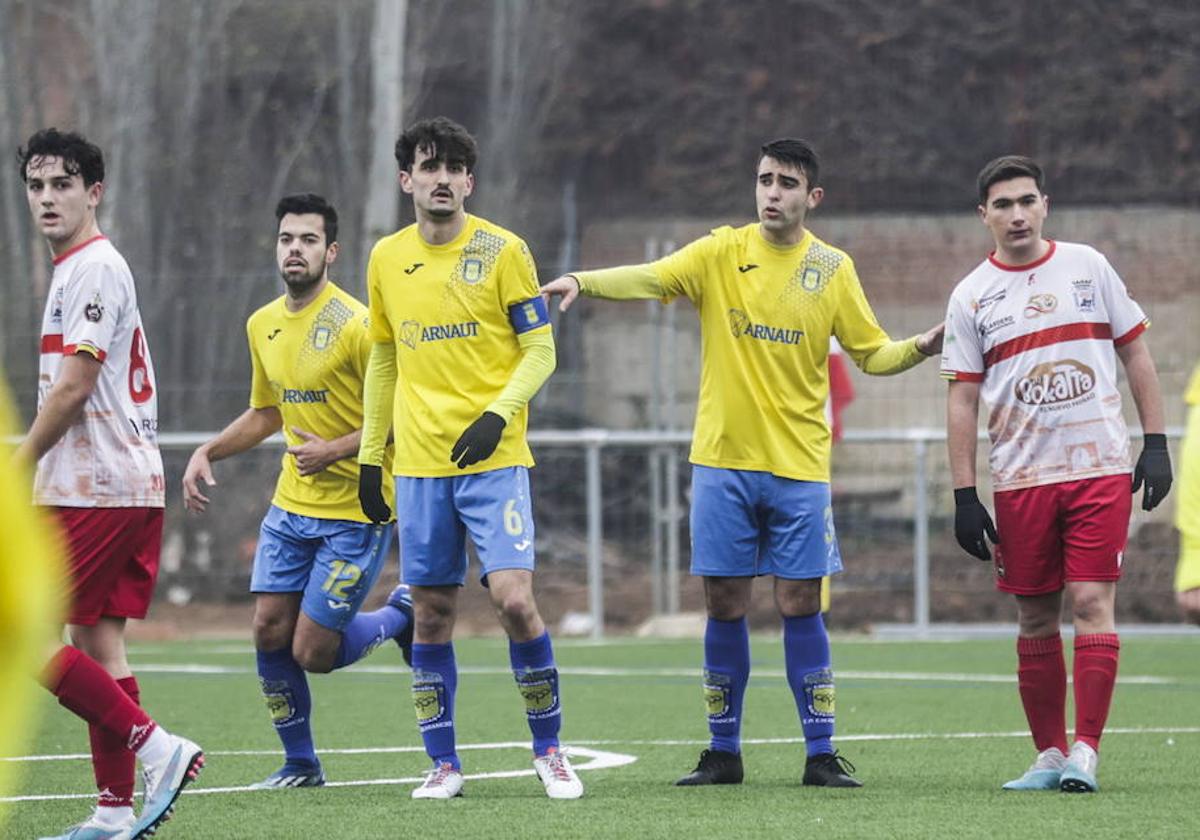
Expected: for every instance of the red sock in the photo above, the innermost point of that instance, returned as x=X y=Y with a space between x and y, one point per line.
x=112 y=762
x=1096 y=657
x=86 y=689
x=1042 y=681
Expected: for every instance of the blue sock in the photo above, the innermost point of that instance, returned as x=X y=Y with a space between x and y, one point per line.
x=726 y=672
x=537 y=680
x=809 y=673
x=434 y=680
x=367 y=631
x=285 y=688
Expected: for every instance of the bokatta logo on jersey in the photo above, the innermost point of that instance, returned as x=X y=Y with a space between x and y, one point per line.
x=1059 y=384
x=1042 y=304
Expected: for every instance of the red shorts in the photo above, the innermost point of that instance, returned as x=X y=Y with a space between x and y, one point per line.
x=112 y=560
x=1054 y=533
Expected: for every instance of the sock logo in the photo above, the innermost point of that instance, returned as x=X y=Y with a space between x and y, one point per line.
x=716 y=695
x=278 y=697
x=818 y=695
x=137 y=735
x=429 y=700
x=539 y=690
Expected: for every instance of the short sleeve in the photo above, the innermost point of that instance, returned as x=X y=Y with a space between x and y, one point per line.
x=962 y=349
x=262 y=393
x=94 y=301
x=1126 y=317
x=380 y=329
x=682 y=272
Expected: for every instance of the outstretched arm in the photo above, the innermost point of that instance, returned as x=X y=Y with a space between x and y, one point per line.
x=250 y=428
x=627 y=282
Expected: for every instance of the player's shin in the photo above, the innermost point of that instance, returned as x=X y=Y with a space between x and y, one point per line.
x=367 y=631
x=1095 y=670
x=1042 y=682
x=285 y=690
x=537 y=680
x=434 y=682
x=810 y=675
x=726 y=673
x=113 y=764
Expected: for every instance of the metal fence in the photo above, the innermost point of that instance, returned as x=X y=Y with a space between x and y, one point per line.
x=626 y=493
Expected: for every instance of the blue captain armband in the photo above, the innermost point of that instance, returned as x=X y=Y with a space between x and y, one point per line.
x=528 y=315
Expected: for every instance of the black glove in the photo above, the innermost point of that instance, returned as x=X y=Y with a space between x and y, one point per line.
x=370 y=493
x=479 y=441
x=971 y=522
x=1153 y=468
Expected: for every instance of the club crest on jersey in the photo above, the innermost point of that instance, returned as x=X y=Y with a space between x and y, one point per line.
x=320 y=338
x=811 y=279
x=1056 y=384
x=1085 y=295
x=1041 y=304
x=94 y=311
x=472 y=271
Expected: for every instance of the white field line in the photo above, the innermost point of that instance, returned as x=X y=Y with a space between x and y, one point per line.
x=767 y=673
x=598 y=760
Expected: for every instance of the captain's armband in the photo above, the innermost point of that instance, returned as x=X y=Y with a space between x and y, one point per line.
x=526 y=315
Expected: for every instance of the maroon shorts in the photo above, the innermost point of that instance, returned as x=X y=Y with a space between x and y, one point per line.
x=112 y=559
x=1054 y=533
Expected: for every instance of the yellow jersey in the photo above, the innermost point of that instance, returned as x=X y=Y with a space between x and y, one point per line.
x=453 y=313
x=311 y=366
x=766 y=315
x=31 y=591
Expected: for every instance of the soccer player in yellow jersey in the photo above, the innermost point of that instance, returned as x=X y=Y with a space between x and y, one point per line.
x=317 y=555
x=769 y=296
x=462 y=344
x=1187 y=510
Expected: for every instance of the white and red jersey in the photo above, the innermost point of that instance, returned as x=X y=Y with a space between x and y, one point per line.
x=1040 y=338
x=109 y=457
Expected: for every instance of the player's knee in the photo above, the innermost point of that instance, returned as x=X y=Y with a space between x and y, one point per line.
x=1090 y=607
x=314 y=659
x=271 y=632
x=517 y=611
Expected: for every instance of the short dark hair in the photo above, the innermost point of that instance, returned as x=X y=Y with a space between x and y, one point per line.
x=441 y=137
x=797 y=153
x=79 y=156
x=309 y=203
x=1005 y=168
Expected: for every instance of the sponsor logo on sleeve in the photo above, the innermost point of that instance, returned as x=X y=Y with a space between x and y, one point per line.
x=94 y=311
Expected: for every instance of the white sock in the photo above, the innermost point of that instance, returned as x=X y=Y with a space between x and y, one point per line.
x=157 y=748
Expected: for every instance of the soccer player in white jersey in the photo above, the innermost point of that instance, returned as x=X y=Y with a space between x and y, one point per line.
x=99 y=473
x=1036 y=330
x=317 y=555
x=769 y=296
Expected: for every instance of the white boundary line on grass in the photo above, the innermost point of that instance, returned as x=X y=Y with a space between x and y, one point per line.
x=599 y=760
x=769 y=673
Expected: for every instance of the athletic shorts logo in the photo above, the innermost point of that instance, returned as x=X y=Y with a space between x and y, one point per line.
x=1042 y=304
x=1056 y=384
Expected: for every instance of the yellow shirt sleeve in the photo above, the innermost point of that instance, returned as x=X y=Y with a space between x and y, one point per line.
x=378 y=393
x=626 y=282
x=859 y=333
x=262 y=395
x=537 y=363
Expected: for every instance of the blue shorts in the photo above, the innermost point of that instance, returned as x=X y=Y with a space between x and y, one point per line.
x=747 y=523
x=334 y=562
x=437 y=514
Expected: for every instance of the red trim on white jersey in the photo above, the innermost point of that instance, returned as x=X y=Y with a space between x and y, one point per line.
x=1050 y=253
x=78 y=248
x=72 y=349
x=1132 y=334
x=52 y=343
x=962 y=376
x=1044 y=338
